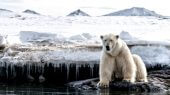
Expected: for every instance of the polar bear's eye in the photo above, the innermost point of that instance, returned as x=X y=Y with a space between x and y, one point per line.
x=111 y=40
x=105 y=40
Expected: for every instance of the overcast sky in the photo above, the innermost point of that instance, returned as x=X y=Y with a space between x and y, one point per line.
x=63 y=7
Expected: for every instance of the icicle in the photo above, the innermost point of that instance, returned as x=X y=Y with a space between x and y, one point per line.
x=68 y=70
x=48 y=63
x=77 y=71
x=42 y=67
x=61 y=66
x=39 y=68
x=1 y=63
x=84 y=65
x=13 y=70
x=22 y=66
x=28 y=68
x=91 y=69
x=7 y=64
x=35 y=68
x=11 y=67
x=56 y=65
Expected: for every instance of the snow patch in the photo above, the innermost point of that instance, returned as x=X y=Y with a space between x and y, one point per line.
x=153 y=55
x=3 y=40
x=72 y=55
x=7 y=13
x=126 y=36
x=30 y=36
x=77 y=37
x=81 y=37
x=40 y=37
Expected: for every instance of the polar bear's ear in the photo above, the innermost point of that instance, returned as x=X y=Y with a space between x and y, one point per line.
x=101 y=37
x=117 y=36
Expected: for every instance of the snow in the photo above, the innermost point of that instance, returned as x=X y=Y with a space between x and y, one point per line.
x=126 y=36
x=22 y=28
x=65 y=55
x=29 y=36
x=2 y=40
x=70 y=27
x=153 y=55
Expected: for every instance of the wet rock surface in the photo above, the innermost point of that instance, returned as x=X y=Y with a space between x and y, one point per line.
x=159 y=81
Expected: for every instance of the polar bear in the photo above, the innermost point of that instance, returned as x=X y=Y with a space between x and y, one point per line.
x=116 y=59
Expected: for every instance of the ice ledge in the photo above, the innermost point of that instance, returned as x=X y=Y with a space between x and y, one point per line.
x=147 y=43
x=152 y=55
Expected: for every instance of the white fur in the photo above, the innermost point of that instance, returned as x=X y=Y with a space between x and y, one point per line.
x=125 y=64
x=107 y=67
x=119 y=61
x=141 y=74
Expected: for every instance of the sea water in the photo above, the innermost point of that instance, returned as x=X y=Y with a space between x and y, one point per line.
x=62 y=90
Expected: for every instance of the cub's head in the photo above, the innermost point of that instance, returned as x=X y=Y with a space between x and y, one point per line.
x=109 y=42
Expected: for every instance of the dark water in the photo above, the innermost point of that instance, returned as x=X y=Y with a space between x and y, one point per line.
x=62 y=90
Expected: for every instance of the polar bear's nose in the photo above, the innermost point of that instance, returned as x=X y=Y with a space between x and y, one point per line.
x=107 y=48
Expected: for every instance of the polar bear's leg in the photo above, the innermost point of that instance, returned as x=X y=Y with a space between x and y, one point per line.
x=106 y=70
x=129 y=68
x=141 y=74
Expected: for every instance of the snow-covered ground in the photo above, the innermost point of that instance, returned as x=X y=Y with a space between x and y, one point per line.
x=27 y=29
x=80 y=30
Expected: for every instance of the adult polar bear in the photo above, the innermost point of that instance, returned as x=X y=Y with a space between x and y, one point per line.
x=116 y=59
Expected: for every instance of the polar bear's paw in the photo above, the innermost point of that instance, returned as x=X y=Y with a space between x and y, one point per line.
x=103 y=84
x=143 y=80
x=128 y=80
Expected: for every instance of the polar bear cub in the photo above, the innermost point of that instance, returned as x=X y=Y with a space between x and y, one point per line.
x=116 y=59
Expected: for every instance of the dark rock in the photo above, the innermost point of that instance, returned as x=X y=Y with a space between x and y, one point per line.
x=84 y=84
x=41 y=78
x=137 y=87
x=30 y=78
x=31 y=12
x=157 y=83
x=2 y=47
x=5 y=10
x=135 y=11
x=78 y=13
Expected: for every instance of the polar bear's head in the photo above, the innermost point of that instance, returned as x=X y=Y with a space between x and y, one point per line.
x=109 y=42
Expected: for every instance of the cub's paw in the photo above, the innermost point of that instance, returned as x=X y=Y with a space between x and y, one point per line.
x=103 y=84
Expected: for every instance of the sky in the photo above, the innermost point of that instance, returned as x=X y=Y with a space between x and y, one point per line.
x=94 y=7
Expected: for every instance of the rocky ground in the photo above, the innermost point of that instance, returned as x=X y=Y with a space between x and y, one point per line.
x=159 y=81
